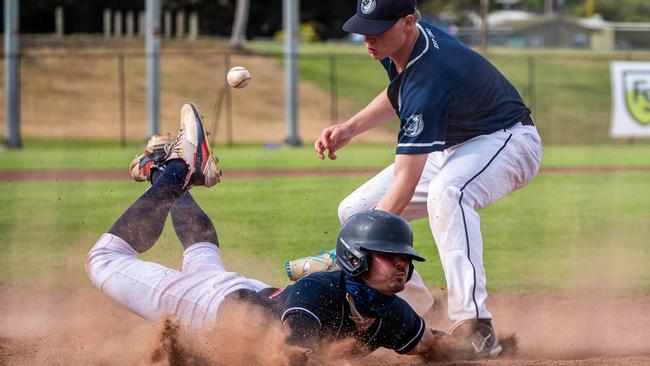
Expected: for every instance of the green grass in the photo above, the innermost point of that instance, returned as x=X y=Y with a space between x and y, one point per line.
x=89 y=155
x=599 y=155
x=562 y=229
x=53 y=155
x=560 y=233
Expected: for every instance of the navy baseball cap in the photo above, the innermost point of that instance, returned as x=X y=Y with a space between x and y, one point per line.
x=377 y=16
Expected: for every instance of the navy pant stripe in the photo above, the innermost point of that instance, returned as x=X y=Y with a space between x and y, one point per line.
x=460 y=202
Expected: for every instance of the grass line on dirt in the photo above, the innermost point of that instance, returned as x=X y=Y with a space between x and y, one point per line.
x=107 y=155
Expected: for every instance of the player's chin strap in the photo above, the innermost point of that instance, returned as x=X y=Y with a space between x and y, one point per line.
x=367 y=300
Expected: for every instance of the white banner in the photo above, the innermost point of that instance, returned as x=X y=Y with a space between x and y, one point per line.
x=630 y=99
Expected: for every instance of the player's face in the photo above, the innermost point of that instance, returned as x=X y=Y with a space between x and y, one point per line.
x=390 y=42
x=387 y=273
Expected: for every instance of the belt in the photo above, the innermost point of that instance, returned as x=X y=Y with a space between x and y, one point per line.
x=528 y=121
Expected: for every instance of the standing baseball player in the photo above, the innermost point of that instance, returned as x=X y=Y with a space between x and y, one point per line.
x=375 y=252
x=466 y=139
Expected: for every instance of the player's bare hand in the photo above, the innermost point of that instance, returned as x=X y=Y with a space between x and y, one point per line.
x=331 y=139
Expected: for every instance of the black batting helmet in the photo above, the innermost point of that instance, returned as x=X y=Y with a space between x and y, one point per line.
x=374 y=230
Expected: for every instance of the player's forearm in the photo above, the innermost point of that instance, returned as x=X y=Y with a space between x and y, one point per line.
x=408 y=169
x=396 y=199
x=377 y=112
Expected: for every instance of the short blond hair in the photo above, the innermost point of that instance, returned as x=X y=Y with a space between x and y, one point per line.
x=416 y=15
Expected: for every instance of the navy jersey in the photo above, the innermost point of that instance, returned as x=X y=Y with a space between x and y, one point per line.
x=319 y=300
x=448 y=94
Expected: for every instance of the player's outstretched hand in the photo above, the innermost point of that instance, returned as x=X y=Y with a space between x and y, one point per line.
x=331 y=139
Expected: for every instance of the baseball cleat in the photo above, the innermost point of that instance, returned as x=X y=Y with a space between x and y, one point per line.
x=192 y=146
x=478 y=339
x=299 y=268
x=143 y=166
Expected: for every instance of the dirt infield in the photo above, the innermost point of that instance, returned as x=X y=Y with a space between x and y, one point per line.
x=82 y=326
x=72 y=175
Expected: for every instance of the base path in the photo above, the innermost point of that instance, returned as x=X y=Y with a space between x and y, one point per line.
x=78 y=325
x=75 y=175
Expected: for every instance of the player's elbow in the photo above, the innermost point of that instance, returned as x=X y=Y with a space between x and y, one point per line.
x=343 y=211
x=301 y=330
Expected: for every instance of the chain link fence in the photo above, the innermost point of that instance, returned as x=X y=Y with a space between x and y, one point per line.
x=102 y=95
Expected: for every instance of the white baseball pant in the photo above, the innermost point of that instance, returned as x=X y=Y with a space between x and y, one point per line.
x=153 y=291
x=456 y=183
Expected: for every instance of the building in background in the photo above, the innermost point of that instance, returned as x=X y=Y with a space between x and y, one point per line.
x=509 y=28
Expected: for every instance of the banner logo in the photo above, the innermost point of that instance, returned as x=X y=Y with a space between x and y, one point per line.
x=637 y=95
x=630 y=99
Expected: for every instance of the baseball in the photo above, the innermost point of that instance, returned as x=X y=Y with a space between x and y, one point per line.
x=238 y=77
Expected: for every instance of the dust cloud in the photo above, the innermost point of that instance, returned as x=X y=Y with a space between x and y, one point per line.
x=63 y=326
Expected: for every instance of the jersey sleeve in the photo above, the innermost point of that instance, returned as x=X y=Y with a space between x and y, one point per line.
x=304 y=313
x=401 y=329
x=423 y=112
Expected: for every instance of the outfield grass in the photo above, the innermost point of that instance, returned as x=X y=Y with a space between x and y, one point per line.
x=89 y=155
x=561 y=232
x=52 y=155
x=548 y=228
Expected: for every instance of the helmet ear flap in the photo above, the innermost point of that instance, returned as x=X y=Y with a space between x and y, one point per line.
x=352 y=262
x=411 y=269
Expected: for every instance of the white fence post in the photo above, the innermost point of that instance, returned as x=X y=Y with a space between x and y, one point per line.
x=194 y=26
x=180 y=24
x=129 y=24
x=58 y=21
x=117 y=24
x=107 y=23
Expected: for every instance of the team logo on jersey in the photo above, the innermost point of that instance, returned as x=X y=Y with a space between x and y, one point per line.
x=413 y=125
x=637 y=95
x=367 y=6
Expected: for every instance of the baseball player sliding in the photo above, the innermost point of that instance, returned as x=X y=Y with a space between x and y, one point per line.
x=374 y=250
x=466 y=139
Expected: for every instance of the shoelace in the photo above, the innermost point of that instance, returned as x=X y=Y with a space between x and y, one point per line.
x=168 y=149
x=173 y=146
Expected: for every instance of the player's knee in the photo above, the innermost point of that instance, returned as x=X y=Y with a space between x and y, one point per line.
x=97 y=260
x=443 y=198
x=90 y=267
x=446 y=193
x=346 y=209
x=444 y=204
x=105 y=257
x=362 y=199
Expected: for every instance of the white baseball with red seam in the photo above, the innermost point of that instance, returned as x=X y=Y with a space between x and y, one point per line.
x=238 y=77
